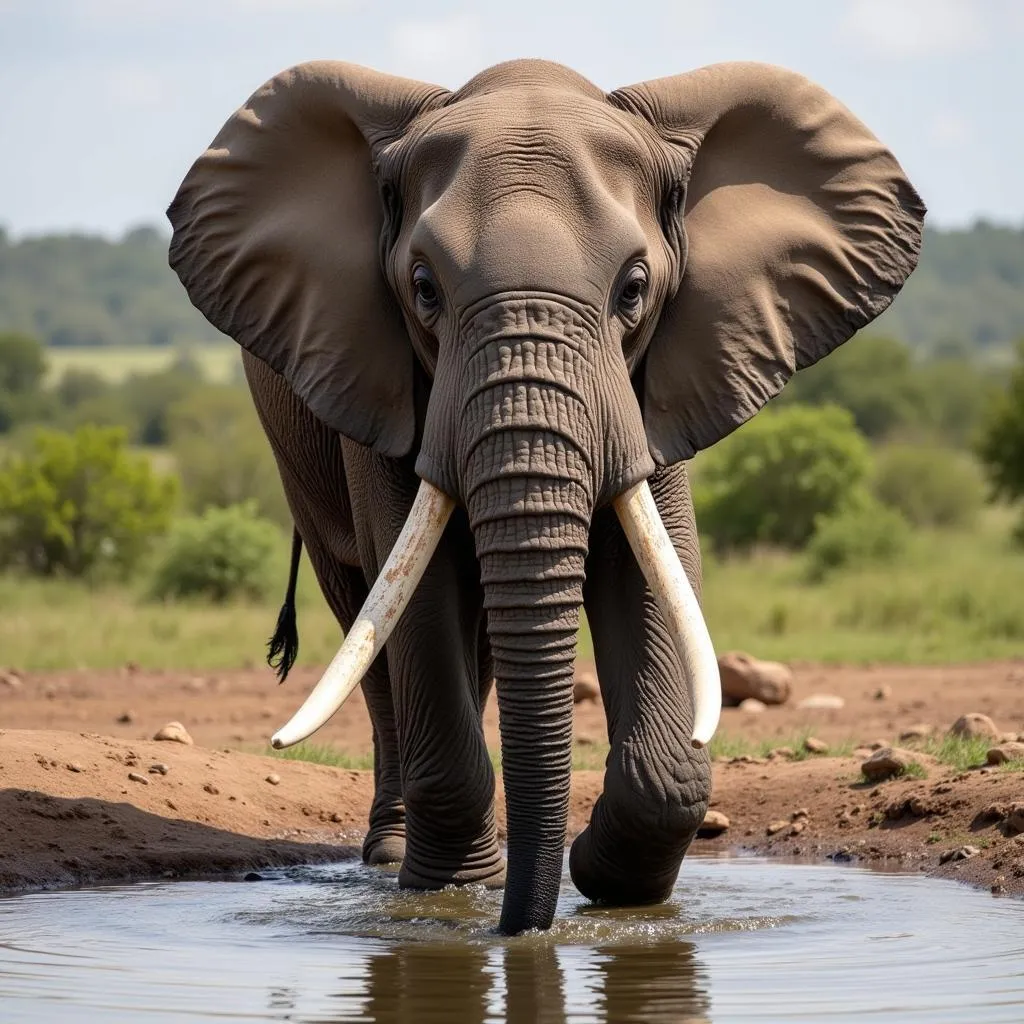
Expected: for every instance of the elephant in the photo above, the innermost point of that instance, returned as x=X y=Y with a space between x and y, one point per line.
x=485 y=331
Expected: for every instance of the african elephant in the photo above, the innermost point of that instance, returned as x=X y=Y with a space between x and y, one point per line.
x=484 y=330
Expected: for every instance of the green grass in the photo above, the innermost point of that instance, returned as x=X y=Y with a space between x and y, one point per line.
x=725 y=745
x=219 y=363
x=322 y=753
x=956 y=597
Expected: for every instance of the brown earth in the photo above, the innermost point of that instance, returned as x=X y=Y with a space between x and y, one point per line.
x=70 y=814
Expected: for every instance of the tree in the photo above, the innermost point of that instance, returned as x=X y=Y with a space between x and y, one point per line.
x=771 y=480
x=22 y=369
x=80 y=504
x=222 y=454
x=1001 y=447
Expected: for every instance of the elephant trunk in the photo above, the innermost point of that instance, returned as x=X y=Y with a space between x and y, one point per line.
x=528 y=486
x=532 y=568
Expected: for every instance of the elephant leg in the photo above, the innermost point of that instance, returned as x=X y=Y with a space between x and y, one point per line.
x=656 y=785
x=436 y=667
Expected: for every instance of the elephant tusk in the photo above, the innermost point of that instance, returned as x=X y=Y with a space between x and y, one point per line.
x=382 y=609
x=678 y=603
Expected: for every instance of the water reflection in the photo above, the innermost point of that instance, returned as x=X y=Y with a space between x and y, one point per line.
x=529 y=982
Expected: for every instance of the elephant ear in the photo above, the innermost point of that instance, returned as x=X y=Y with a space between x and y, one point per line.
x=276 y=239
x=801 y=229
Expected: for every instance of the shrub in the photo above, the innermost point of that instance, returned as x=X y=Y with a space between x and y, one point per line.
x=80 y=504
x=856 y=535
x=930 y=486
x=1001 y=447
x=770 y=480
x=223 y=553
x=222 y=454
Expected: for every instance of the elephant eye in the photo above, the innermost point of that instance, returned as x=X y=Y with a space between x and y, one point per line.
x=427 y=296
x=633 y=290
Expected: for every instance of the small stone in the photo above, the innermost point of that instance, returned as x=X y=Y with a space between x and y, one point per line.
x=336 y=817
x=998 y=885
x=786 y=752
x=74 y=766
x=126 y=718
x=174 y=732
x=273 y=778
x=887 y=763
x=797 y=827
x=1013 y=822
x=815 y=746
x=10 y=679
x=253 y=876
x=800 y=812
x=884 y=692
x=744 y=676
x=1005 y=753
x=714 y=824
x=878 y=744
x=821 y=702
x=159 y=769
x=961 y=853
x=974 y=724
x=136 y=777
x=917 y=732
x=752 y=706
x=585 y=688
x=777 y=826
x=211 y=789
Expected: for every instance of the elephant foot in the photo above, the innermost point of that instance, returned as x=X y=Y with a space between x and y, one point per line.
x=383 y=848
x=486 y=868
x=623 y=883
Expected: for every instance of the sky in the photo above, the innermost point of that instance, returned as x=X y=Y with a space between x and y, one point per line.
x=104 y=104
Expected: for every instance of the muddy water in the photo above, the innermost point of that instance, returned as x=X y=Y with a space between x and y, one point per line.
x=742 y=940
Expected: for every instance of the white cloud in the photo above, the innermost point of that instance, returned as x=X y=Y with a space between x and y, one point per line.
x=443 y=48
x=916 y=28
x=949 y=129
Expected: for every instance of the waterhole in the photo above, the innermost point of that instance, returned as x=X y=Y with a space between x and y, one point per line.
x=741 y=940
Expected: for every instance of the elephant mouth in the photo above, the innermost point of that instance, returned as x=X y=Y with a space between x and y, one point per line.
x=408 y=561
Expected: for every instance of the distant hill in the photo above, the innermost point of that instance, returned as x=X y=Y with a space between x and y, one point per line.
x=966 y=295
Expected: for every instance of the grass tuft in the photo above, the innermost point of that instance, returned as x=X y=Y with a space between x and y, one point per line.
x=323 y=753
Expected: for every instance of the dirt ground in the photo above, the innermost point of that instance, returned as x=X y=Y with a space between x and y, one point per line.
x=80 y=801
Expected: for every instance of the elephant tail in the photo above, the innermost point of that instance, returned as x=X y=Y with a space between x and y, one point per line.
x=283 y=646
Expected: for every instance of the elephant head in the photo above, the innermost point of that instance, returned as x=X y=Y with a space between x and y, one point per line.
x=581 y=284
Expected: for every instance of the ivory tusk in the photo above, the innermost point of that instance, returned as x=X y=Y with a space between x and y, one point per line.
x=382 y=609
x=678 y=603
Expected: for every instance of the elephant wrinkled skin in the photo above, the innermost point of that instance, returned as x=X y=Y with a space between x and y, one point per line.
x=532 y=295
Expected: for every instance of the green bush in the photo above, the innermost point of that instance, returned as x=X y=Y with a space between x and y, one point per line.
x=222 y=554
x=770 y=480
x=222 y=454
x=868 y=533
x=1001 y=447
x=22 y=368
x=80 y=504
x=930 y=486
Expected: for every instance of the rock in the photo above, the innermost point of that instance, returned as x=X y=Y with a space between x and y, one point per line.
x=210 y=788
x=777 y=826
x=752 y=706
x=1005 y=752
x=798 y=826
x=884 y=692
x=1013 y=822
x=1008 y=737
x=273 y=778
x=877 y=744
x=159 y=769
x=136 y=777
x=252 y=876
x=744 y=676
x=974 y=724
x=336 y=818
x=714 y=824
x=126 y=718
x=800 y=812
x=584 y=687
x=862 y=752
x=961 y=853
x=917 y=732
x=10 y=679
x=174 y=732
x=887 y=763
x=74 y=766
x=821 y=702
x=815 y=746
x=786 y=752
